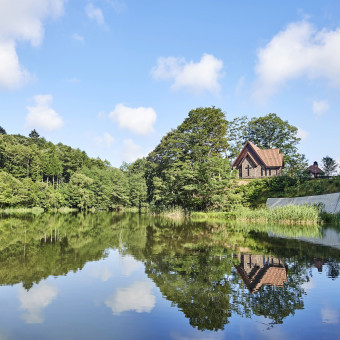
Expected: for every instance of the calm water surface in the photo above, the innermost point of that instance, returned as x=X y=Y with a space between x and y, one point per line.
x=125 y=276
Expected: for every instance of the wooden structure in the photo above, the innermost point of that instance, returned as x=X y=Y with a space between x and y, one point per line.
x=253 y=162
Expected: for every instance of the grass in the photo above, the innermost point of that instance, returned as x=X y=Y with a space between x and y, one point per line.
x=35 y=210
x=290 y=214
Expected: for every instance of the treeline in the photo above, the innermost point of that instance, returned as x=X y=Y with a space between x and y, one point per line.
x=189 y=169
x=37 y=173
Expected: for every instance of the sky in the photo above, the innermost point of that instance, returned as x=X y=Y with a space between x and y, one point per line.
x=112 y=77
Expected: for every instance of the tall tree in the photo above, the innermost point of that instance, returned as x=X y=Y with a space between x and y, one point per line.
x=271 y=132
x=2 y=131
x=34 y=134
x=236 y=135
x=189 y=167
x=329 y=165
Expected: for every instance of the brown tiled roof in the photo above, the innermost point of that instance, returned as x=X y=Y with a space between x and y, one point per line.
x=269 y=157
x=315 y=168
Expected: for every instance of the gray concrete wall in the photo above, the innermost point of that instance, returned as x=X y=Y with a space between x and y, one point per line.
x=330 y=202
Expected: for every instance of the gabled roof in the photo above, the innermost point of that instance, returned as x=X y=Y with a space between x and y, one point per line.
x=315 y=169
x=272 y=275
x=269 y=157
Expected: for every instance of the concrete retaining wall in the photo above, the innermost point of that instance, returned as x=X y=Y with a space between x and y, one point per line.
x=330 y=202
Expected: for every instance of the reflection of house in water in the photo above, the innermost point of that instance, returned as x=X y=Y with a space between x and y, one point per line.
x=258 y=270
x=318 y=263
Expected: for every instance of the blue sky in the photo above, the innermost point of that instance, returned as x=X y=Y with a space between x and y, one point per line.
x=111 y=77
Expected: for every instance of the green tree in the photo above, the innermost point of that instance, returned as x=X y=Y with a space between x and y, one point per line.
x=2 y=131
x=235 y=136
x=34 y=134
x=329 y=165
x=189 y=167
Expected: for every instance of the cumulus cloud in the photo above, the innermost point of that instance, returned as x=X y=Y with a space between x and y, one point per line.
x=193 y=77
x=94 y=13
x=21 y=21
x=297 y=51
x=131 y=151
x=35 y=300
x=139 y=120
x=320 y=107
x=105 y=141
x=137 y=297
x=303 y=134
x=42 y=115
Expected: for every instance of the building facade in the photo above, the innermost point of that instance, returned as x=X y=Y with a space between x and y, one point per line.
x=253 y=162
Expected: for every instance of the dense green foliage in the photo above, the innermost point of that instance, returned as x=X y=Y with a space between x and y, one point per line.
x=255 y=192
x=189 y=170
x=37 y=173
x=189 y=167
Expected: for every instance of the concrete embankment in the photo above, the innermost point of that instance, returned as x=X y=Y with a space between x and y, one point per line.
x=330 y=202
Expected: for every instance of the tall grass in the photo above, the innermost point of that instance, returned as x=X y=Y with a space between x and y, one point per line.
x=289 y=214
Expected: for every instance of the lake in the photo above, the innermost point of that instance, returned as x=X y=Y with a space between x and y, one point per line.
x=130 y=276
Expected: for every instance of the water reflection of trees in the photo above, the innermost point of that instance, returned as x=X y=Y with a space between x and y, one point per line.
x=196 y=266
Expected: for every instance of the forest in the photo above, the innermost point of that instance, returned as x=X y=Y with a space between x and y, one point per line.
x=189 y=169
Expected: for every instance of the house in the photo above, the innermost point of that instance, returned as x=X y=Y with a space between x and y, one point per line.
x=252 y=162
x=259 y=270
x=314 y=171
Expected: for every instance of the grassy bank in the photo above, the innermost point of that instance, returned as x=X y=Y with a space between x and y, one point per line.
x=35 y=210
x=257 y=191
x=283 y=215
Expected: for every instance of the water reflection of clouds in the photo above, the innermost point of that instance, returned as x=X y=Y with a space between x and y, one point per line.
x=137 y=297
x=35 y=300
x=128 y=265
x=330 y=316
x=102 y=272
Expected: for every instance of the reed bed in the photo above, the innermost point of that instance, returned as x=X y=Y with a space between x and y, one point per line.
x=289 y=214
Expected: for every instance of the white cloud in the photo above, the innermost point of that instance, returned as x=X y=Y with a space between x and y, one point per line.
x=94 y=13
x=137 y=297
x=303 y=134
x=104 y=141
x=131 y=151
x=299 y=50
x=35 y=300
x=193 y=77
x=78 y=37
x=139 y=120
x=329 y=316
x=42 y=115
x=21 y=21
x=320 y=107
